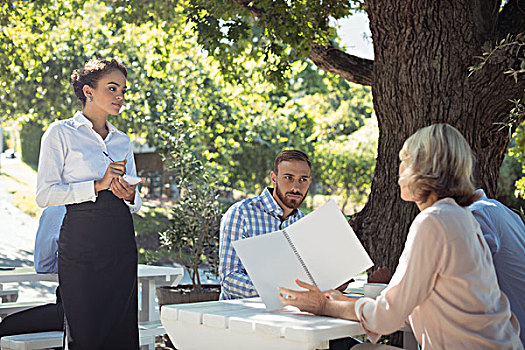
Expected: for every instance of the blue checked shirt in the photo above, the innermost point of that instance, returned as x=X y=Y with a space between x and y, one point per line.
x=248 y=218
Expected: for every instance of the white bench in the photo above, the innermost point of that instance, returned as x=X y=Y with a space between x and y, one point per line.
x=45 y=340
x=42 y=340
x=9 y=295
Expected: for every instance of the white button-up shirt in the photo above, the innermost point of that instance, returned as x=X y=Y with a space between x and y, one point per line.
x=72 y=158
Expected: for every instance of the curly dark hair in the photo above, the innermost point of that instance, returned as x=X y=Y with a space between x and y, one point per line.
x=93 y=70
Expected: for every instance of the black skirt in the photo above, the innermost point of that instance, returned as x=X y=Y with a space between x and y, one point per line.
x=97 y=270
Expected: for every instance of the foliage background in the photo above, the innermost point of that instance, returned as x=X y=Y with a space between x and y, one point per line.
x=253 y=98
x=242 y=123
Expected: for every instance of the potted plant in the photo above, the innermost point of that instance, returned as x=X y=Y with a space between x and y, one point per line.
x=193 y=235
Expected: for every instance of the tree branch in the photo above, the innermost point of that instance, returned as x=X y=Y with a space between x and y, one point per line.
x=330 y=58
x=511 y=19
x=352 y=68
x=250 y=6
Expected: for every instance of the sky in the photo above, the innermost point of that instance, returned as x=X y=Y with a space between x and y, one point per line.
x=355 y=35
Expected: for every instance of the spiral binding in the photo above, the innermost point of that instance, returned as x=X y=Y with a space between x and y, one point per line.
x=301 y=261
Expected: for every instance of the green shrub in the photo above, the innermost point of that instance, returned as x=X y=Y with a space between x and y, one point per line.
x=4 y=140
x=193 y=235
x=30 y=136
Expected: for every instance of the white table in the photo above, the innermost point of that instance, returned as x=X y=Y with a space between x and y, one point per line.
x=149 y=277
x=245 y=324
x=25 y=274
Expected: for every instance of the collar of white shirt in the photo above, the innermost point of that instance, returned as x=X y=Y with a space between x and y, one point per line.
x=80 y=119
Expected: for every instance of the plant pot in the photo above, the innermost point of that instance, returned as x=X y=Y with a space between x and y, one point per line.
x=185 y=293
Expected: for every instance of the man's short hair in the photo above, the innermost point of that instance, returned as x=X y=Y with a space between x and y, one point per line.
x=288 y=155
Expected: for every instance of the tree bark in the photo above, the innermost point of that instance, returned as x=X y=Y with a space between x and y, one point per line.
x=420 y=76
x=351 y=68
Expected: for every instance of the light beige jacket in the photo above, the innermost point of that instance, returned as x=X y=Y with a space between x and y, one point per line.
x=445 y=286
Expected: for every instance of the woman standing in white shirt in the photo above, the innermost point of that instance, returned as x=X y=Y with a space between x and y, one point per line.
x=445 y=285
x=97 y=254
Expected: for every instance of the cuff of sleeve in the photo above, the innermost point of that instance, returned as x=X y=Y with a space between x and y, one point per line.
x=133 y=208
x=358 y=308
x=84 y=191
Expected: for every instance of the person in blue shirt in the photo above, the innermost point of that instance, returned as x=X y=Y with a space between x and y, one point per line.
x=275 y=209
x=49 y=317
x=46 y=241
x=504 y=232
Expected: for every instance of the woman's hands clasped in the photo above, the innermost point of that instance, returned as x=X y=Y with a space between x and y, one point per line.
x=113 y=180
x=123 y=190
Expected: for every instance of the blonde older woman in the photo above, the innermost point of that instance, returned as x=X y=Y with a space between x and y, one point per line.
x=445 y=285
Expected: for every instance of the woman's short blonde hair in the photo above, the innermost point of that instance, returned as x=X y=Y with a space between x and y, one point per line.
x=438 y=159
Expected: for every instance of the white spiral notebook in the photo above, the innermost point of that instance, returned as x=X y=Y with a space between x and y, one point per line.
x=321 y=249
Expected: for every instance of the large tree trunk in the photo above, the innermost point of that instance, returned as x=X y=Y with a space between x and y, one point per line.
x=420 y=76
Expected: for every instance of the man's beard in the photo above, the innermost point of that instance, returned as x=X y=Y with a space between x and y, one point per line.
x=289 y=203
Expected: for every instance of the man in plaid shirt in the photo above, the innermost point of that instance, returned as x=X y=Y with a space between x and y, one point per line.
x=275 y=209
